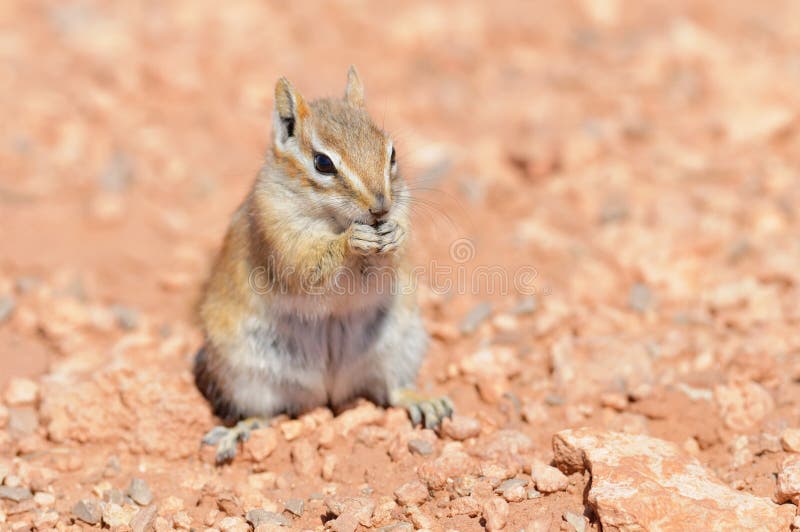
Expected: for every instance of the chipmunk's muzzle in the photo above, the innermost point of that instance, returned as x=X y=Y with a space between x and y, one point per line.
x=380 y=207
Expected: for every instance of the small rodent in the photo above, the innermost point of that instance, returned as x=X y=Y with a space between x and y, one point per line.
x=309 y=302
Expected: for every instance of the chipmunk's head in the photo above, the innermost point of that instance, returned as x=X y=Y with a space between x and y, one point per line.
x=335 y=154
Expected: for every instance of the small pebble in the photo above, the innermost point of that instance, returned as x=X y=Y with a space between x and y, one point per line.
x=261 y=443
x=21 y=392
x=548 y=479
x=400 y=526
x=139 y=491
x=421 y=447
x=7 y=306
x=515 y=494
x=526 y=305
x=788 y=486
x=143 y=521
x=44 y=499
x=127 y=318
x=114 y=496
x=295 y=506
x=421 y=520
x=263 y=517
x=475 y=317
x=614 y=400
x=233 y=524
x=461 y=427
x=15 y=493
x=554 y=400
x=292 y=429
x=88 y=510
x=344 y=523
x=412 y=493
x=577 y=521
x=790 y=440
x=640 y=298
x=116 y=516
x=495 y=512
x=22 y=420
x=510 y=484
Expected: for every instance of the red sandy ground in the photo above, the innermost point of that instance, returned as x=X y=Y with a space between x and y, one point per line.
x=641 y=156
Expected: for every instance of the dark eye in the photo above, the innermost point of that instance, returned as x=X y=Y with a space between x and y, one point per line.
x=392 y=159
x=323 y=164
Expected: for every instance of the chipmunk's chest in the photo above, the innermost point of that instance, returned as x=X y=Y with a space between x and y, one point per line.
x=326 y=343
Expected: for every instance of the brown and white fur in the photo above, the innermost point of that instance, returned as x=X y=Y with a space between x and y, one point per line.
x=309 y=302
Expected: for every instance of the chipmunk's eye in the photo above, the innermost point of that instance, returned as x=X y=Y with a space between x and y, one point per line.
x=323 y=164
x=393 y=158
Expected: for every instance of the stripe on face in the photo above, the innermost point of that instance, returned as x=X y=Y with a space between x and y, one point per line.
x=347 y=174
x=388 y=172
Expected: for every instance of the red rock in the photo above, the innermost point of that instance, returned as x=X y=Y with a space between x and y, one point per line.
x=384 y=512
x=143 y=520
x=505 y=444
x=467 y=505
x=788 y=486
x=327 y=435
x=492 y=387
x=499 y=470
x=743 y=404
x=361 y=508
x=495 y=512
x=461 y=427
x=344 y=523
x=534 y=412
x=616 y=400
x=411 y=493
x=642 y=483
x=21 y=392
x=363 y=414
x=421 y=520
x=513 y=490
x=306 y=459
x=292 y=429
x=261 y=443
x=548 y=479
x=453 y=462
x=790 y=440
x=329 y=463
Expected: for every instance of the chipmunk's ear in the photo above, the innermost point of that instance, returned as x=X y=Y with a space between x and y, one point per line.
x=290 y=110
x=354 y=92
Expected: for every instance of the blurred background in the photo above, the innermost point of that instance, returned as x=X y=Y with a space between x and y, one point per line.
x=642 y=156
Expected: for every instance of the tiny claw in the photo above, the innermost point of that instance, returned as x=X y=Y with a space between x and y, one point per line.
x=213 y=436
x=415 y=414
x=447 y=405
x=431 y=418
x=226 y=452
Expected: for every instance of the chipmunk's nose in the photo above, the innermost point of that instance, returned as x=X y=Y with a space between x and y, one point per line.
x=381 y=206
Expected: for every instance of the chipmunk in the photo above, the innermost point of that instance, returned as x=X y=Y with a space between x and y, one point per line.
x=309 y=302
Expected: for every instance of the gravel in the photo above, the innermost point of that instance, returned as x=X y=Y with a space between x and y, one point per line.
x=264 y=517
x=139 y=492
x=421 y=447
x=88 y=510
x=295 y=506
x=7 y=306
x=640 y=298
x=475 y=317
x=16 y=493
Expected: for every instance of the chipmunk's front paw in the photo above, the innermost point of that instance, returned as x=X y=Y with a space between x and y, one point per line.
x=227 y=438
x=422 y=410
x=364 y=239
x=392 y=236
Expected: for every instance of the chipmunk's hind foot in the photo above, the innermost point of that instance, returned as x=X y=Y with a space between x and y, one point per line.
x=422 y=409
x=227 y=438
